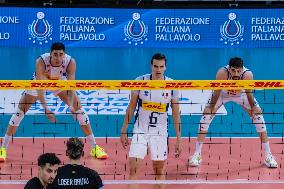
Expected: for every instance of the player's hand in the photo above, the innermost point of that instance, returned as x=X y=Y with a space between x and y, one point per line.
x=178 y=148
x=50 y=115
x=124 y=138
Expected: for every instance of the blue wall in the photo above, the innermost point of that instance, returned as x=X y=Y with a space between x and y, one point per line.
x=106 y=63
x=127 y=63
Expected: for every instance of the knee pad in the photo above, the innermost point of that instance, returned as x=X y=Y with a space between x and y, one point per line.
x=259 y=123
x=82 y=117
x=205 y=122
x=17 y=118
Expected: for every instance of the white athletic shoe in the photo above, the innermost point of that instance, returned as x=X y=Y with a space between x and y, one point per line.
x=270 y=161
x=195 y=160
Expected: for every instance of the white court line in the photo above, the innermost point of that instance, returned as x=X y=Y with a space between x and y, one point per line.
x=180 y=182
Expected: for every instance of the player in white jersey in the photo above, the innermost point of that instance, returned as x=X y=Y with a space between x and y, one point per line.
x=151 y=123
x=234 y=71
x=55 y=65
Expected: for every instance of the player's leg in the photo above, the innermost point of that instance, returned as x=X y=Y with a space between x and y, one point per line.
x=205 y=121
x=137 y=152
x=159 y=171
x=159 y=153
x=134 y=168
x=258 y=120
x=269 y=160
x=73 y=101
x=24 y=105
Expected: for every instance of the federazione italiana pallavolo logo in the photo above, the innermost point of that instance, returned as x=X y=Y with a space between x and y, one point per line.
x=135 y=31
x=40 y=30
x=231 y=31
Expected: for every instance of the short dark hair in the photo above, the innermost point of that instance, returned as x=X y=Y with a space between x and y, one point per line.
x=57 y=46
x=158 y=56
x=75 y=147
x=236 y=62
x=50 y=158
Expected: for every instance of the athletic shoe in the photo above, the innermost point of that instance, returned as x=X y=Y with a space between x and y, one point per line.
x=3 y=155
x=98 y=153
x=270 y=161
x=195 y=160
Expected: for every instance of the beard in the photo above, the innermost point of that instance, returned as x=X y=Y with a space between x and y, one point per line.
x=49 y=181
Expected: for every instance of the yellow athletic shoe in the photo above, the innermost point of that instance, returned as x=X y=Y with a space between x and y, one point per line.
x=98 y=153
x=2 y=154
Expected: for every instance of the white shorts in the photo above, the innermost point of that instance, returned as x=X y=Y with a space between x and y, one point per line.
x=240 y=99
x=34 y=92
x=157 y=144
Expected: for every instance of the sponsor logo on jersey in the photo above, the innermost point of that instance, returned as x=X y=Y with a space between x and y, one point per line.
x=154 y=106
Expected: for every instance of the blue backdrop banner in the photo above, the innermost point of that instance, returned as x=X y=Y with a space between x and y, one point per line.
x=154 y=28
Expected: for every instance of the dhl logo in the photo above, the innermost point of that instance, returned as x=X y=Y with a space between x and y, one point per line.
x=90 y=84
x=154 y=106
x=223 y=84
x=179 y=85
x=45 y=85
x=269 y=84
x=126 y=84
x=6 y=85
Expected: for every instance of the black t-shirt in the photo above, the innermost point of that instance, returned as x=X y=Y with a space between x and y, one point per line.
x=77 y=177
x=35 y=183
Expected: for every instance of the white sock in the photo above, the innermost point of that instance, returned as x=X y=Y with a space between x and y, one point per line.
x=92 y=140
x=198 y=147
x=6 y=141
x=266 y=148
